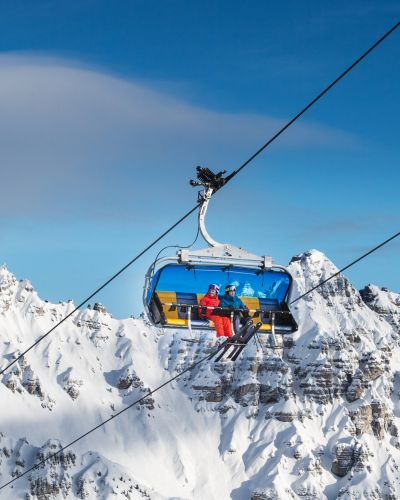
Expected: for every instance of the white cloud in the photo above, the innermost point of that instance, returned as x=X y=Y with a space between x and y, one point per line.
x=70 y=134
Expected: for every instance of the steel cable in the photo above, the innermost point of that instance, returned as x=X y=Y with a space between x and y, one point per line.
x=138 y=401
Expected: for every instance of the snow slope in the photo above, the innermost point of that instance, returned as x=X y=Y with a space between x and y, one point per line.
x=317 y=417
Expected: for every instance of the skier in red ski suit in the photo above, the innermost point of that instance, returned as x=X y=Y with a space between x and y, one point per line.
x=222 y=323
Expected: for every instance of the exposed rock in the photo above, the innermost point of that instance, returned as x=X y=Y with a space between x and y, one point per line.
x=357 y=386
x=307 y=489
x=212 y=385
x=348 y=457
x=272 y=494
x=212 y=394
x=32 y=383
x=362 y=418
x=71 y=383
x=51 y=479
x=100 y=475
x=285 y=411
x=344 y=459
x=299 y=452
x=128 y=378
x=385 y=303
x=21 y=376
x=372 y=365
x=271 y=393
x=8 y=285
x=248 y=394
x=379 y=418
x=361 y=457
x=99 y=307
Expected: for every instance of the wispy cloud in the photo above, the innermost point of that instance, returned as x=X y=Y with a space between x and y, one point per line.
x=73 y=134
x=351 y=224
x=391 y=248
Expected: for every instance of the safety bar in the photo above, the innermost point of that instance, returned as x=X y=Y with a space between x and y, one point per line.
x=174 y=305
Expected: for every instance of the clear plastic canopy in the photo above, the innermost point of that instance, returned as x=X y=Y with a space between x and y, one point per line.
x=266 y=284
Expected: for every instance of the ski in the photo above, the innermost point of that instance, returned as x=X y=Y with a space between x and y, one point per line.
x=249 y=335
x=235 y=341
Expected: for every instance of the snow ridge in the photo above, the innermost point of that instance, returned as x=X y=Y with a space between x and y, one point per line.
x=316 y=417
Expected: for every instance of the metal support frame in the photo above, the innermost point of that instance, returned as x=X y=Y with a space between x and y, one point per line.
x=204 y=197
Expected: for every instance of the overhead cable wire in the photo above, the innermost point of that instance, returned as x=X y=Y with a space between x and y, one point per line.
x=175 y=246
x=311 y=103
x=179 y=246
x=104 y=422
x=228 y=178
x=100 y=288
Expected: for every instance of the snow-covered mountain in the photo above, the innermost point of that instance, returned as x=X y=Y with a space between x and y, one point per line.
x=317 y=417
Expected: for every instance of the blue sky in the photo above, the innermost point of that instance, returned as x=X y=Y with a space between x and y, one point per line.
x=105 y=110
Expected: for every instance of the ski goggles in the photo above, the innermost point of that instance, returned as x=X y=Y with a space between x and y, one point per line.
x=213 y=287
x=230 y=288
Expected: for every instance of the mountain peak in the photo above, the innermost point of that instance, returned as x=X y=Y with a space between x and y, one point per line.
x=314 y=259
x=312 y=415
x=6 y=277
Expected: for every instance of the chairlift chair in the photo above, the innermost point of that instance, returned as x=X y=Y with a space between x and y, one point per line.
x=174 y=285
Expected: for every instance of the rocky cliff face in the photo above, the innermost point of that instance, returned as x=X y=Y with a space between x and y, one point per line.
x=316 y=416
x=384 y=302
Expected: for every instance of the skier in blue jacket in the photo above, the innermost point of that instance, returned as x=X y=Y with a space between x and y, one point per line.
x=231 y=300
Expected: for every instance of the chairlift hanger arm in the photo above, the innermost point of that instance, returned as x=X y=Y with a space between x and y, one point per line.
x=211 y=182
x=204 y=199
